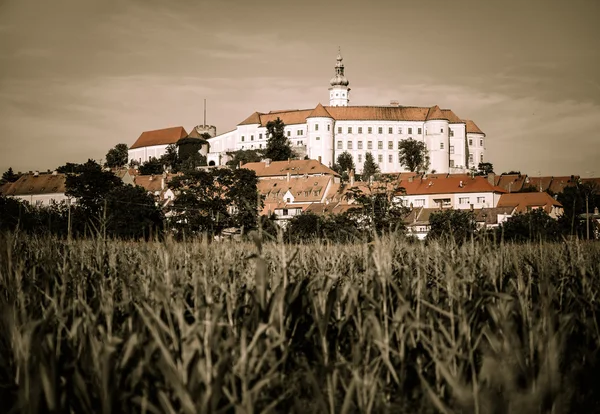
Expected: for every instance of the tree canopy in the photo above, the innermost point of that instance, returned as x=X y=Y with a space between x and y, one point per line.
x=90 y=185
x=244 y=157
x=279 y=147
x=414 y=155
x=485 y=168
x=117 y=156
x=9 y=176
x=370 y=167
x=450 y=224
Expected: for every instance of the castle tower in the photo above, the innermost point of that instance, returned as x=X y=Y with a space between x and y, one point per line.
x=339 y=93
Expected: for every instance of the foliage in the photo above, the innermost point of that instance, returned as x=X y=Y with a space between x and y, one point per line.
x=345 y=162
x=485 y=168
x=132 y=213
x=69 y=168
x=534 y=225
x=414 y=155
x=573 y=200
x=244 y=157
x=9 y=176
x=90 y=185
x=370 y=167
x=279 y=147
x=152 y=166
x=106 y=326
x=117 y=156
x=170 y=158
x=190 y=146
x=451 y=224
x=338 y=228
x=192 y=162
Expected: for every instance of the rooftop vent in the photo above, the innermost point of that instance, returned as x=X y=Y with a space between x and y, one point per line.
x=394 y=103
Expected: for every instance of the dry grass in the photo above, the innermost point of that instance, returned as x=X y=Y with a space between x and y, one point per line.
x=197 y=327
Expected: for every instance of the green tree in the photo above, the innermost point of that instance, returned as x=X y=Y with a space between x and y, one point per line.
x=279 y=147
x=457 y=225
x=370 y=167
x=132 y=213
x=414 y=155
x=90 y=186
x=304 y=227
x=573 y=200
x=485 y=168
x=189 y=146
x=244 y=156
x=152 y=166
x=534 y=225
x=344 y=164
x=117 y=156
x=9 y=176
x=69 y=168
x=245 y=199
x=171 y=158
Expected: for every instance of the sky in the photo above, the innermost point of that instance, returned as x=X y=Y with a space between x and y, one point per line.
x=80 y=76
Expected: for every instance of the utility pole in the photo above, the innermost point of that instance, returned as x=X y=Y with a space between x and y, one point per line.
x=587 y=218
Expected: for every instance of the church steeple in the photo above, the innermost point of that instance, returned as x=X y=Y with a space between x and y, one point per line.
x=339 y=93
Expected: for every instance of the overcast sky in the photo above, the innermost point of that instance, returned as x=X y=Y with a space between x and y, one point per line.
x=79 y=76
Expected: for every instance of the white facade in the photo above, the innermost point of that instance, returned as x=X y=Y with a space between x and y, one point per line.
x=458 y=201
x=144 y=154
x=323 y=133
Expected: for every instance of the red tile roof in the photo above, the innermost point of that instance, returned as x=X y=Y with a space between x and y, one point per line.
x=511 y=182
x=160 y=137
x=472 y=128
x=294 y=167
x=303 y=189
x=521 y=201
x=44 y=183
x=361 y=113
x=559 y=183
x=448 y=185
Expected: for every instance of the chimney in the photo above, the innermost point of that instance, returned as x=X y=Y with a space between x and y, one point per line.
x=491 y=178
x=460 y=184
x=54 y=172
x=288 y=176
x=267 y=162
x=162 y=181
x=394 y=103
x=241 y=163
x=289 y=160
x=37 y=173
x=596 y=211
x=472 y=207
x=410 y=179
x=151 y=177
x=352 y=178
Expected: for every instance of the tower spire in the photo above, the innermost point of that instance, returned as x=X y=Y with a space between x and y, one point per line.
x=339 y=93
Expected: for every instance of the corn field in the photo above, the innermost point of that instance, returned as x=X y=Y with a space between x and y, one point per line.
x=261 y=326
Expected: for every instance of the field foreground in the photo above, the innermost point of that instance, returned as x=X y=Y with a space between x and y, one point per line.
x=242 y=327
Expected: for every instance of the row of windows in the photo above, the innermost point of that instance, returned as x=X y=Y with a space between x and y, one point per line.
x=390 y=130
x=390 y=146
x=471 y=142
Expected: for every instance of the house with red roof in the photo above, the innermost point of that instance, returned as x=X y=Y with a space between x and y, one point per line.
x=524 y=202
x=39 y=189
x=153 y=144
x=324 y=132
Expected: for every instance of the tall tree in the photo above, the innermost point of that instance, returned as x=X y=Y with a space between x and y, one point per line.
x=345 y=161
x=244 y=156
x=414 y=155
x=117 y=156
x=370 y=168
x=534 y=225
x=171 y=157
x=132 y=213
x=9 y=176
x=152 y=166
x=457 y=225
x=90 y=186
x=245 y=198
x=279 y=147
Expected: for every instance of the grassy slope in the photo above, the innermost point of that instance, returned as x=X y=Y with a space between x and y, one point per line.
x=225 y=327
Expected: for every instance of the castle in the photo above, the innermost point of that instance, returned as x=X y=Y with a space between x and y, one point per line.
x=324 y=132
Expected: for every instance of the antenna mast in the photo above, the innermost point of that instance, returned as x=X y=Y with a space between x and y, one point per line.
x=204 y=112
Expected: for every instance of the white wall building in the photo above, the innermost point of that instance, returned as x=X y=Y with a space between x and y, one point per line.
x=39 y=189
x=324 y=132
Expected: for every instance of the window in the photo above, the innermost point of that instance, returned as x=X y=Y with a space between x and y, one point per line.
x=390 y=158
x=441 y=145
x=380 y=158
x=285 y=210
x=339 y=130
x=339 y=145
x=390 y=144
x=349 y=130
x=370 y=130
x=316 y=127
x=318 y=138
x=481 y=143
x=471 y=158
x=390 y=130
x=419 y=131
x=243 y=138
x=480 y=200
x=480 y=157
x=470 y=142
x=419 y=202
x=359 y=157
x=451 y=149
x=328 y=127
x=259 y=136
x=380 y=130
x=369 y=144
x=400 y=130
x=260 y=145
x=463 y=200
x=442 y=130
x=379 y=144
x=451 y=132
x=359 y=144
x=349 y=145
x=410 y=130
x=299 y=132
x=360 y=130
x=251 y=137
x=289 y=133
x=451 y=163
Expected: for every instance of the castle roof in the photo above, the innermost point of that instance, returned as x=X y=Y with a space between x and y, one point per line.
x=472 y=128
x=294 y=167
x=319 y=112
x=435 y=113
x=164 y=136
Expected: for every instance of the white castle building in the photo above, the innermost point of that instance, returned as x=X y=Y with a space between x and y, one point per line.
x=324 y=132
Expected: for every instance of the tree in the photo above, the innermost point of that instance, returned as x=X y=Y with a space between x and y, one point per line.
x=188 y=146
x=117 y=156
x=9 y=176
x=344 y=164
x=69 y=168
x=89 y=186
x=244 y=156
x=573 y=200
x=414 y=155
x=245 y=198
x=457 y=225
x=132 y=213
x=534 y=225
x=370 y=168
x=171 y=157
x=152 y=166
x=279 y=147
x=485 y=168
